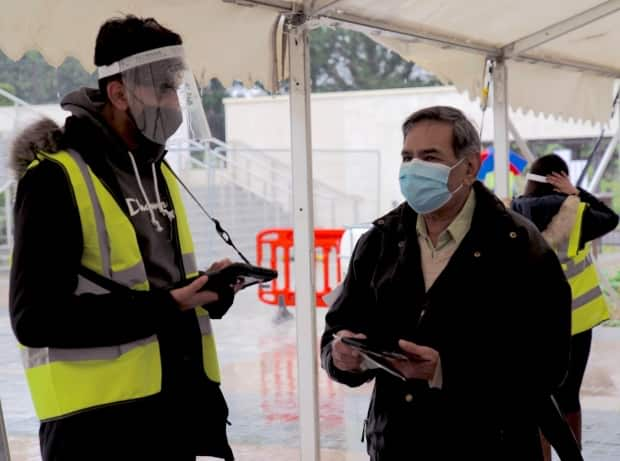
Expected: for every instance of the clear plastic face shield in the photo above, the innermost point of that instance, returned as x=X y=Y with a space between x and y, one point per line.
x=162 y=94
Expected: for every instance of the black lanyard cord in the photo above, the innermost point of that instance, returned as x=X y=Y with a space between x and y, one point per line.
x=218 y=227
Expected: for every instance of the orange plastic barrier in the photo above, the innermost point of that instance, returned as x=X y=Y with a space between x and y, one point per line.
x=274 y=249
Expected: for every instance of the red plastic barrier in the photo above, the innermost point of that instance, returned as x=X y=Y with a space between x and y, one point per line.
x=274 y=249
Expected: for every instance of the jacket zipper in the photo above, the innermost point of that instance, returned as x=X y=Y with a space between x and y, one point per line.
x=364 y=429
x=420 y=318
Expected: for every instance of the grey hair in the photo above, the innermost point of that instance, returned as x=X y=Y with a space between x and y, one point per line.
x=465 y=138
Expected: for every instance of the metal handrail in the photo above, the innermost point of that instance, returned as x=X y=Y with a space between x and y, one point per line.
x=14 y=99
x=195 y=146
x=202 y=164
x=282 y=166
x=8 y=212
x=272 y=188
x=5 y=454
x=17 y=102
x=283 y=189
x=6 y=185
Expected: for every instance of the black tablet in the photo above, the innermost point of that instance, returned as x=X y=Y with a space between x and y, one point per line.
x=238 y=273
x=365 y=345
x=377 y=357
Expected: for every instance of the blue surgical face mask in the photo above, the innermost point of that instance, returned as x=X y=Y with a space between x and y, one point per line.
x=425 y=184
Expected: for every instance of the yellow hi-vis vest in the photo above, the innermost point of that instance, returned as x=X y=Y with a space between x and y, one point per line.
x=489 y=181
x=67 y=381
x=589 y=305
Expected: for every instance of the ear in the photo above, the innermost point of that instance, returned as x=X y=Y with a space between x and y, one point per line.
x=473 y=166
x=116 y=95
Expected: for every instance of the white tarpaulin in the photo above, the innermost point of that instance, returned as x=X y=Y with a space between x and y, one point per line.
x=234 y=42
x=541 y=78
x=530 y=86
x=231 y=41
x=221 y=39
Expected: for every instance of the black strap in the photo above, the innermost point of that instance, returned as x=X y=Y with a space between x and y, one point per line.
x=557 y=431
x=224 y=235
x=101 y=281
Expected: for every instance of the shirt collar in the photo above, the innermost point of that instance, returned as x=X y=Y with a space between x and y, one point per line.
x=457 y=229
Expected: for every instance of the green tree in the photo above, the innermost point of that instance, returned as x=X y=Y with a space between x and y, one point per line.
x=36 y=82
x=71 y=76
x=212 y=101
x=341 y=60
x=344 y=60
x=9 y=89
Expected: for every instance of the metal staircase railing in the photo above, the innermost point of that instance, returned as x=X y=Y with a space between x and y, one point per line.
x=269 y=178
x=266 y=178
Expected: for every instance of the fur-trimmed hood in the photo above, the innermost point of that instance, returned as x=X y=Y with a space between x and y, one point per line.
x=84 y=130
x=42 y=135
x=134 y=177
x=562 y=223
x=554 y=215
x=45 y=135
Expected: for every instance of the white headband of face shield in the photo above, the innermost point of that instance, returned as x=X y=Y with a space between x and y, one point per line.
x=141 y=59
x=536 y=178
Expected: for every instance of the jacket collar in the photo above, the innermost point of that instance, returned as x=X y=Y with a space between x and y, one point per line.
x=489 y=213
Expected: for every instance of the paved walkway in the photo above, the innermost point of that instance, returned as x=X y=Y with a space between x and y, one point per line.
x=259 y=380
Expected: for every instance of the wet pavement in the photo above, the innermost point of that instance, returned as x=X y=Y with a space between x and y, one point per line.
x=258 y=361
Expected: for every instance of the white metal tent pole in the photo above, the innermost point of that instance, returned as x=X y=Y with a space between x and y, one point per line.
x=500 y=127
x=561 y=28
x=8 y=213
x=520 y=141
x=303 y=209
x=602 y=166
x=5 y=455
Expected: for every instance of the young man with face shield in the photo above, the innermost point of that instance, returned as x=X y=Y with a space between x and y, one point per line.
x=469 y=292
x=119 y=364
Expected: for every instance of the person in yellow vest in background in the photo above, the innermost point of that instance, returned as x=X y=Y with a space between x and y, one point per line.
x=569 y=219
x=513 y=184
x=105 y=297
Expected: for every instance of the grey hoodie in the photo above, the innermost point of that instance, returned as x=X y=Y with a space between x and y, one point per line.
x=138 y=185
x=190 y=411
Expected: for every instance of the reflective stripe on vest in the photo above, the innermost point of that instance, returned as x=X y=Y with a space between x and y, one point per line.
x=66 y=381
x=589 y=306
x=209 y=352
x=185 y=237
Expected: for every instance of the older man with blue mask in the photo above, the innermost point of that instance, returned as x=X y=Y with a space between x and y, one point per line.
x=469 y=293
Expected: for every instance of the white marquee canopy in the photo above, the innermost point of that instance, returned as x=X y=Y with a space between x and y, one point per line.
x=221 y=39
x=554 y=56
x=562 y=55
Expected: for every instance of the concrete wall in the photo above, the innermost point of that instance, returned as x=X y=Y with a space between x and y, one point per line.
x=368 y=120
